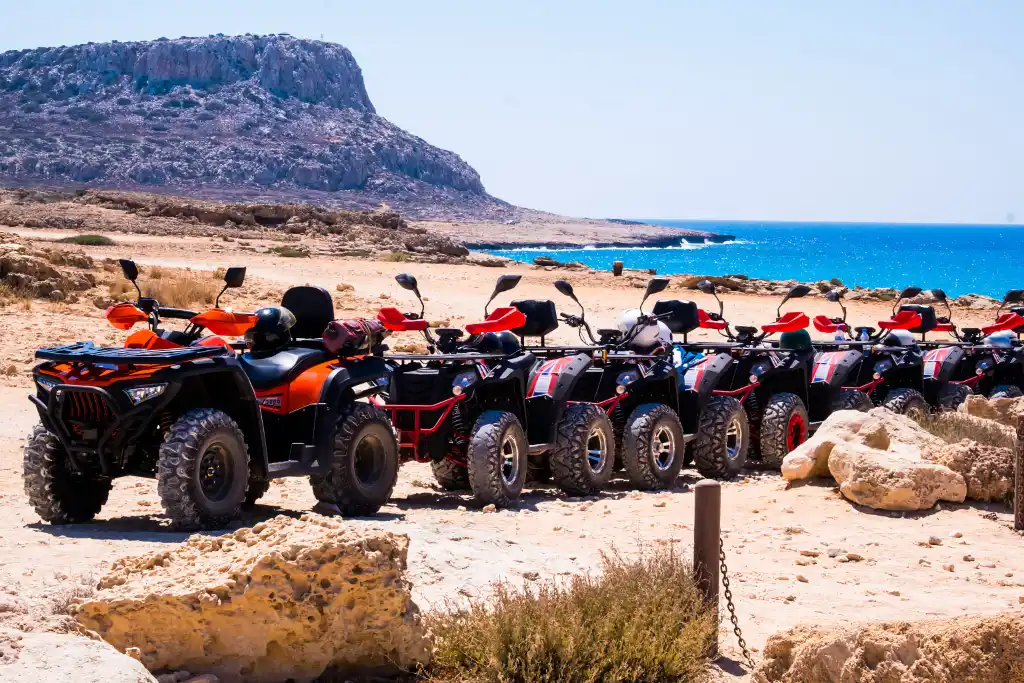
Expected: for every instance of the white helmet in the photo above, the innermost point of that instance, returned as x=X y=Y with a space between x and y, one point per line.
x=899 y=338
x=652 y=334
x=1001 y=339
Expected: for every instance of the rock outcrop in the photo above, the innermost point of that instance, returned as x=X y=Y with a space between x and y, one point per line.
x=42 y=273
x=1005 y=411
x=283 y=600
x=989 y=649
x=987 y=470
x=52 y=657
x=892 y=481
x=225 y=116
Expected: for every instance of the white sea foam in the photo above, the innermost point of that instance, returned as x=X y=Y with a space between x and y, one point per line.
x=682 y=246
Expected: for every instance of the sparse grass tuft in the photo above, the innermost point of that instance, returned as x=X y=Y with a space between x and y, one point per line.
x=288 y=251
x=640 y=620
x=70 y=592
x=175 y=288
x=397 y=256
x=343 y=287
x=9 y=370
x=89 y=240
x=954 y=427
x=219 y=273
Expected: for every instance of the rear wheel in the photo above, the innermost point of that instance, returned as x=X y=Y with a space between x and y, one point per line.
x=952 y=395
x=905 y=402
x=203 y=470
x=497 y=458
x=723 y=437
x=584 y=455
x=450 y=475
x=1006 y=391
x=538 y=470
x=852 y=399
x=364 y=466
x=783 y=428
x=59 y=495
x=257 y=489
x=653 y=446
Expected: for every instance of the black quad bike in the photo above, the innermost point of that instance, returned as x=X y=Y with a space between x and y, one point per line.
x=462 y=406
x=616 y=395
x=992 y=359
x=213 y=426
x=769 y=381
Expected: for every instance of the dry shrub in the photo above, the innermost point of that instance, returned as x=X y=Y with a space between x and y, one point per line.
x=9 y=370
x=343 y=287
x=155 y=272
x=219 y=273
x=88 y=240
x=10 y=295
x=173 y=287
x=70 y=591
x=289 y=251
x=397 y=256
x=640 y=620
x=954 y=427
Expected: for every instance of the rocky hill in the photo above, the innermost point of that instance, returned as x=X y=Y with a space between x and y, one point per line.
x=269 y=118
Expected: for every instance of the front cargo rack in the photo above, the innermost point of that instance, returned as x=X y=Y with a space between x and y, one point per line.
x=87 y=352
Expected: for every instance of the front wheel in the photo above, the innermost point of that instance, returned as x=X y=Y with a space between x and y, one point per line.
x=723 y=437
x=1006 y=391
x=59 y=495
x=653 y=446
x=364 y=465
x=584 y=452
x=952 y=395
x=783 y=428
x=852 y=399
x=450 y=475
x=905 y=402
x=497 y=458
x=203 y=470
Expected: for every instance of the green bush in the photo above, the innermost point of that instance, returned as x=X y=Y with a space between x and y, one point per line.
x=89 y=240
x=639 y=620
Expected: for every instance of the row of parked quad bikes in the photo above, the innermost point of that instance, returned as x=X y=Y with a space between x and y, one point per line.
x=490 y=407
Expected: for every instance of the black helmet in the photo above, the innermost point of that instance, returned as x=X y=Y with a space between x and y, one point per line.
x=272 y=329
x=497 y=342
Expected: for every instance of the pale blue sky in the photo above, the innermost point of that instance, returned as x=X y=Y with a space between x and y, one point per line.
x=785 y=110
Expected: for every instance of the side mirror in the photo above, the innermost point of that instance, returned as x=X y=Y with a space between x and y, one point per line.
x=833 y=296
x=130 y=270
x=706 y=286
x=504 y=283
x=565 y=288
x=939 y=295
x=1014 y=296
x=795 y=292
x=234 y=277
x=406 y=281
x=657 y=284
x=909 y=293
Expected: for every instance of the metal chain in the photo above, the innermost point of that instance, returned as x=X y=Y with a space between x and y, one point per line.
x=732 y=607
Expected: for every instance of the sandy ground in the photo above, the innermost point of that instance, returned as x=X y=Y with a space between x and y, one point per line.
x=773 y=535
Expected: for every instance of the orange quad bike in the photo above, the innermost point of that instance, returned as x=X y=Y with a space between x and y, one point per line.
x=213 y=426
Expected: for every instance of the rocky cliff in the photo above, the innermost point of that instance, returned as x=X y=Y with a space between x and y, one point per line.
x=243 y=117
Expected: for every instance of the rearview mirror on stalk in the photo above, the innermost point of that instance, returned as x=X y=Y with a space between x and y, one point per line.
x=1013 y=296
x=657 y=284
x=908 y=293
x=706 y=286
x=504 y=283
x=565 y=288
x=795 y=292
x=833 y=296
x=406 y=281
x=234 y=277
x=939 y=295
x=131 y=273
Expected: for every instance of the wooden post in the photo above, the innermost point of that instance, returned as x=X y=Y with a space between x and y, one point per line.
x=1018 y=478
x=707 y=540
x=617 y=268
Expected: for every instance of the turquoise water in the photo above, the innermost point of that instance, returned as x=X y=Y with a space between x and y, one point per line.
x=961 y=259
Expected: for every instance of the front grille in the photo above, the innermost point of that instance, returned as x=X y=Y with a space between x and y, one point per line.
x=86 y=414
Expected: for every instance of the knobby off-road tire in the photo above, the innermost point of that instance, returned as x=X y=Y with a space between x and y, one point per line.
x=497 y=458
x=852 y=399
x=1006 y=391
x=723 y=439
x=451 y=476
x=905 y=401
x=203 y=470
x=783 y=428
x=538 y=470
x=364 y=467
x=59 y=495
x=952 y=395
x=653 y=446
x=584 y=453
x=257 y=489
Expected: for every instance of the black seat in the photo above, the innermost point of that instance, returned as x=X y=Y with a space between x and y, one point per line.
x=683 y=317
x=312 y=307
x=541 y=318
x=927 y=314
x=266 y=371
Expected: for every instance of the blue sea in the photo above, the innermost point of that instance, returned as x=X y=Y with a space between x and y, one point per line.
x=960 y=259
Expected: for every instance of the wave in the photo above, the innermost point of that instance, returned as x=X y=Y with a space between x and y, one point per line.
x=682 y=246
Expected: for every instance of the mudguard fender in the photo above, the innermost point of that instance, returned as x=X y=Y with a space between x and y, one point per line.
x=940 y=364
x=345 y=383
x=835 y=367
x=555 y=378
x=706 y=375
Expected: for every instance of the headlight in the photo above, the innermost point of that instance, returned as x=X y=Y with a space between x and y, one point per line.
x=627 y=377
x=883 y=367
x=140 y=394
x=46 y=384
x=463 y=381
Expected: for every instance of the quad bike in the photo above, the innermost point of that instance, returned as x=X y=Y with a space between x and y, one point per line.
x=615 y=395
x=770 y=382
x=212 y=426
x=461 y=406
x=894 y=370
x=992 y=358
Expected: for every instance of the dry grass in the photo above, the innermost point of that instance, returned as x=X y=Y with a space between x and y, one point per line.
x=8 y=370
x=640 y=620
x=954 y=427
x=397 y=256
x=70 y=591
x=88 y=240
x=343 y=287
x=10 y=295
x=289 y=251
x=172 y=287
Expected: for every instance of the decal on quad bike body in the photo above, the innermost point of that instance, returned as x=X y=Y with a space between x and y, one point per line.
x=555 y=378
x=941 y=363
x=834 y=367
x=706 y=374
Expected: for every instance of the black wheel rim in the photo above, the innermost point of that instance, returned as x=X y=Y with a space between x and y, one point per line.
x=369 y=460
x=215 y=472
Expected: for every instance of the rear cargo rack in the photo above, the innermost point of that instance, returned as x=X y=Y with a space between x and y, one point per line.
x=87 y=352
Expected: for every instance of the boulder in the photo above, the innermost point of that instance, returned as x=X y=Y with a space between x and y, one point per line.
x=886 y=480
x=989 y=649
x=51 y=657
x=1005 y=411
x=810 y=459
x=283 y=600
x=987 y=470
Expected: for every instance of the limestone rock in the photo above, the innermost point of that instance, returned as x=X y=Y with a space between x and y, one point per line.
x=282 y=600
x=1005 y=411
x=810 y=459
x=53 y=657
x=987 y=649
x=987 y=470
x=892 y=481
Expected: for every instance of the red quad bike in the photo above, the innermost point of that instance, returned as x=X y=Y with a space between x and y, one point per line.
x=212 y=426
x=462 y=407
x=616 y=394
x=891 y=365
x=770 y=382
x=991 y=362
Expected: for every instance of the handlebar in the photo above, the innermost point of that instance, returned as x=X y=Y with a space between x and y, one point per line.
x=176 y=313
